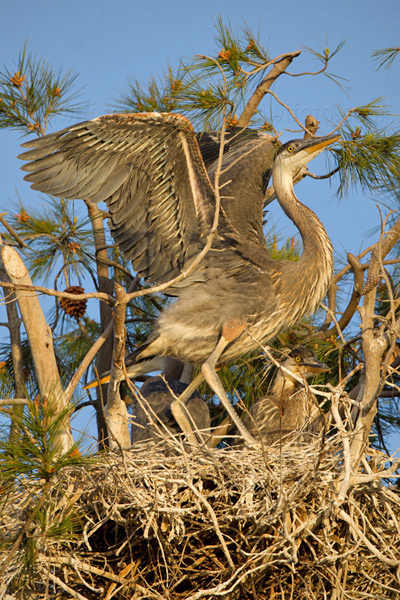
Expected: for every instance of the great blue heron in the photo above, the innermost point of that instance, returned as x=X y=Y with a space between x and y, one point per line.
x=152 y=415
x=149 y=170
x=290 y=408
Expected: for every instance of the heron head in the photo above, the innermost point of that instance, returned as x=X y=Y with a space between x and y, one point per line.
x=296 y=154
x=302 y=361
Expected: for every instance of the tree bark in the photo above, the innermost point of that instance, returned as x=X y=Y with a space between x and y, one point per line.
x=375 y=343
x=103 y=359
x=41 y=344
x=117 y=414
x=14 y=327
x=277 y=70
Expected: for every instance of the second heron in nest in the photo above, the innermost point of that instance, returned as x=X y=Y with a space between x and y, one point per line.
x=152 y=415
x=290 y=411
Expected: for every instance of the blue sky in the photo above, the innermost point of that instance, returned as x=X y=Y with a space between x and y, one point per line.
x=109 y=42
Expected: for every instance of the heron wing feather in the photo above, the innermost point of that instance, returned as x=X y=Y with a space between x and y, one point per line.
x=148 y=169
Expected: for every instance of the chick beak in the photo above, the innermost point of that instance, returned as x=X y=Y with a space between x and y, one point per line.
x=313 y=365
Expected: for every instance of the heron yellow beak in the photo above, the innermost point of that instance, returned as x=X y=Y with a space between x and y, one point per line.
x=321 y=143
x=96 y=382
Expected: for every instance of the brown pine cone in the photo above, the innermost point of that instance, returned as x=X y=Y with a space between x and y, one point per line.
x=369 y=285
x=74 y=308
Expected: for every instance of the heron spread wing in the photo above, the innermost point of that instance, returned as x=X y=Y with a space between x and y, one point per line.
x=246 y=169
x=148 y=169
x=237 y=140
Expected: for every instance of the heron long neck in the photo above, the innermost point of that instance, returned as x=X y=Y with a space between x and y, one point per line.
x=309 y=277
x=283 y=386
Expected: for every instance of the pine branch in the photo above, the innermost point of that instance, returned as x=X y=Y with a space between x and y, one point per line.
x=369 y=161
x=56 y=234
x=386 y=57
x=33 y=93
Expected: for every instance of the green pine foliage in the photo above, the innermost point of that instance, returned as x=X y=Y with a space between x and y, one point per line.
x=32 y=470
x=385 y=57
x=162 y=94
x=369 y=155
x=57 y=240
x=33 y=93
x=34 y=455
x=196 y=88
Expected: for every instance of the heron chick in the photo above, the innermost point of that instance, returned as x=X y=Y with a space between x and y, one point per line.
x=152 y=415
x=290 y=411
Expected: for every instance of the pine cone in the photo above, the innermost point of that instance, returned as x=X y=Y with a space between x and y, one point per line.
x=74 y=308
x=369 y=285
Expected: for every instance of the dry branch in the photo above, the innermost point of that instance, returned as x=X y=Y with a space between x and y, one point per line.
x=40 y=341
x=277 y=70
x=12 y=231
x=32 y=289
x=348 y=313
x=117 y=415
x=105 y=285
x=106 y=334
x=14 y=402
x=375 y=342
x=14 y=328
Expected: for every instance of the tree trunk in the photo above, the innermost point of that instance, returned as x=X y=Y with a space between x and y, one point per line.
x=103 y=360
x=41 y=344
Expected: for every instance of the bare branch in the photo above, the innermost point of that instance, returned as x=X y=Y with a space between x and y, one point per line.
x=14 y=402
x=117 y=415
x=50 y=292
x=277 y=70
x=105 y=285
x=312 y=126
x=336 y=278
x=374 y=343
x=287 y=107
x=347 y=315
x=12 y=231
x=326 y=176
x=14 y=328
x=88 y=359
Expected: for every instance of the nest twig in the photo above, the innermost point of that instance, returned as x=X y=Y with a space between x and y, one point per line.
x=159 y=522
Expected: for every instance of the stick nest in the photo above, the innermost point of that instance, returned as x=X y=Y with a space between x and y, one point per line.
x=159 y=522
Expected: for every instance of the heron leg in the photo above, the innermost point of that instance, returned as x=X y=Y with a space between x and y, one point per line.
x=179 y=411
x=215 y=384
x=229 y=332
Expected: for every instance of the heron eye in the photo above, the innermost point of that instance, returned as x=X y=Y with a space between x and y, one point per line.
x=290 y=149
x=297 y=359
